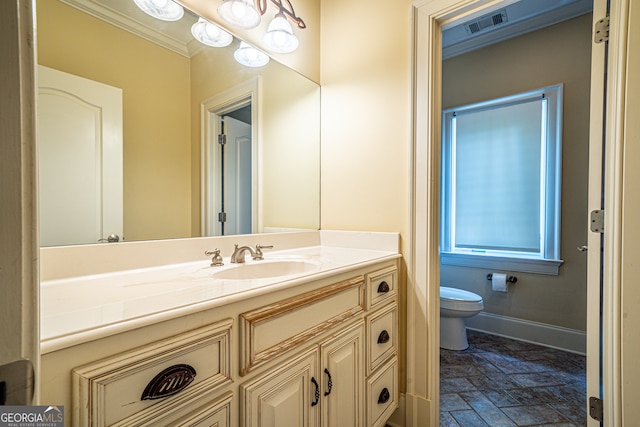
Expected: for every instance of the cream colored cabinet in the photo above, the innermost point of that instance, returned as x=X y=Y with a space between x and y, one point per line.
x=213 y=413
x=162 y=383
x=341 y=398
x=321 y=387
x=285 y=396
x=355 y=381
x=319 y=354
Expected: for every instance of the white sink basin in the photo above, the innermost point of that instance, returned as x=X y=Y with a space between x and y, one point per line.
x=265 y=269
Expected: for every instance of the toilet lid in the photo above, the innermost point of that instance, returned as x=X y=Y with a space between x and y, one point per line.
x=453 y=294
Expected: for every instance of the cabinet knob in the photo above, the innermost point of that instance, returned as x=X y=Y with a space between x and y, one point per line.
x=383 y=338
x=383 y=287
x=384 y=396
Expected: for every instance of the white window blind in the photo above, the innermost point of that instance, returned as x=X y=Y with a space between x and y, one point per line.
x=497 y=184
x=501 y=175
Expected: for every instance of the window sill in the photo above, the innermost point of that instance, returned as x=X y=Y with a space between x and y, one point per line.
x=524 y=265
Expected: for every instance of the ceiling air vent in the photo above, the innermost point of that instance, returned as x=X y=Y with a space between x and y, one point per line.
x=485 y=22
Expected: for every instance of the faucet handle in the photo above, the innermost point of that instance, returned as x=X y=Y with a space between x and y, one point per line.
x=259 y=248
x=216 y=259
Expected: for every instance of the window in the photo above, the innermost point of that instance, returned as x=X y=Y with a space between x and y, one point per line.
x=501 y=171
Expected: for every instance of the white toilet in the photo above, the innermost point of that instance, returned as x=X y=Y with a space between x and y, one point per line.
x=455 y=306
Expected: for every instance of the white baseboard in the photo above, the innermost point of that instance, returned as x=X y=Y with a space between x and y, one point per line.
x=558 y=337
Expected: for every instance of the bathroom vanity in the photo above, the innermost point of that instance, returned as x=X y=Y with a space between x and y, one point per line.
x=306 y=337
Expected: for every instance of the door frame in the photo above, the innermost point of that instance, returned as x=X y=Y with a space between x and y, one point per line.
x=428 y=18
x=211 y=110
x=19 y=243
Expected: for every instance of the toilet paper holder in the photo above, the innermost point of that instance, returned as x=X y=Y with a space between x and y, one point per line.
x=510 y=279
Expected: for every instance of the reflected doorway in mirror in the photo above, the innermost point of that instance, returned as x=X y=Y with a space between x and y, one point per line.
x=230 y=197
x=80 y=159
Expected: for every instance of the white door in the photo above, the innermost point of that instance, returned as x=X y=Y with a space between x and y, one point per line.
x=595 y=203
x=236 y=180
x=80 y=159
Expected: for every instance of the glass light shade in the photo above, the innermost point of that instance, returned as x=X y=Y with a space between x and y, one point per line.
x=210 y=34
x=165 y=10
x=240 y=13
x=279 y=37
x=250 y=56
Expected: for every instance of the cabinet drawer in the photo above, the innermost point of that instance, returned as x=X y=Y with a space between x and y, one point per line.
x=270 y=331
x=381 y=286
x=382 y=394
x=217 y=413
x=382 y=336
x=165 y=377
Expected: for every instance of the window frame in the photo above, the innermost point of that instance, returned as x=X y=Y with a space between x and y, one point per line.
x=547 y=260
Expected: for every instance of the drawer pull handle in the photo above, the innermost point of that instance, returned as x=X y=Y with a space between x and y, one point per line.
x=329 y=382
x=384 y=396
x=383 y=338
x=317 y=393
x=170 y=381
x=383 y=287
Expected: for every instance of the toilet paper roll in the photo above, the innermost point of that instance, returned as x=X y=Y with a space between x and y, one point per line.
x=499 y=282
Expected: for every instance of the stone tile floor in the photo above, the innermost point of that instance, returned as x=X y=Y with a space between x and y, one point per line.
x=501 y=382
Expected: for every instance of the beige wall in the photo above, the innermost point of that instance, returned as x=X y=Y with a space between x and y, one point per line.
x=514 y=66
x=365 y=115
x=366 y=105
x=156 y=122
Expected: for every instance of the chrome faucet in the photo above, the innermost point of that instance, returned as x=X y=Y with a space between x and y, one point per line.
x=238 y=253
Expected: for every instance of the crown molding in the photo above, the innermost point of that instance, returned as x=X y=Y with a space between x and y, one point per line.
x=124 y=22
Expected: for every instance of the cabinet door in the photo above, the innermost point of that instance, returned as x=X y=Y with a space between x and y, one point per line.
x=343 y=378
x=286 y=396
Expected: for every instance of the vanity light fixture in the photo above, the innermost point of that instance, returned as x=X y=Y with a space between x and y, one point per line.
x=165 y=10
x=279 y=37
x=247 y=14
x=250 y=56
x=283 y=9
x=210 y=34
x=239 y=13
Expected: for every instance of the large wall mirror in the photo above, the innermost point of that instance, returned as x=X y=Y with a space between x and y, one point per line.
x=171 y=89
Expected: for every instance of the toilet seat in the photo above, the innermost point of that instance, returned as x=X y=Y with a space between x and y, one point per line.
x=461 y=300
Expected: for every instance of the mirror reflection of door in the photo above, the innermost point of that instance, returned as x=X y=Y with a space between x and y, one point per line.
x=230 y=189
x=80 y=159
x=235 y=172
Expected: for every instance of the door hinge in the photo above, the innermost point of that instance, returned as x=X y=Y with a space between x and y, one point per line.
x=601 y=30
x=222 y=139
x=222 y=217
x=597 y=221
x=595 y=409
